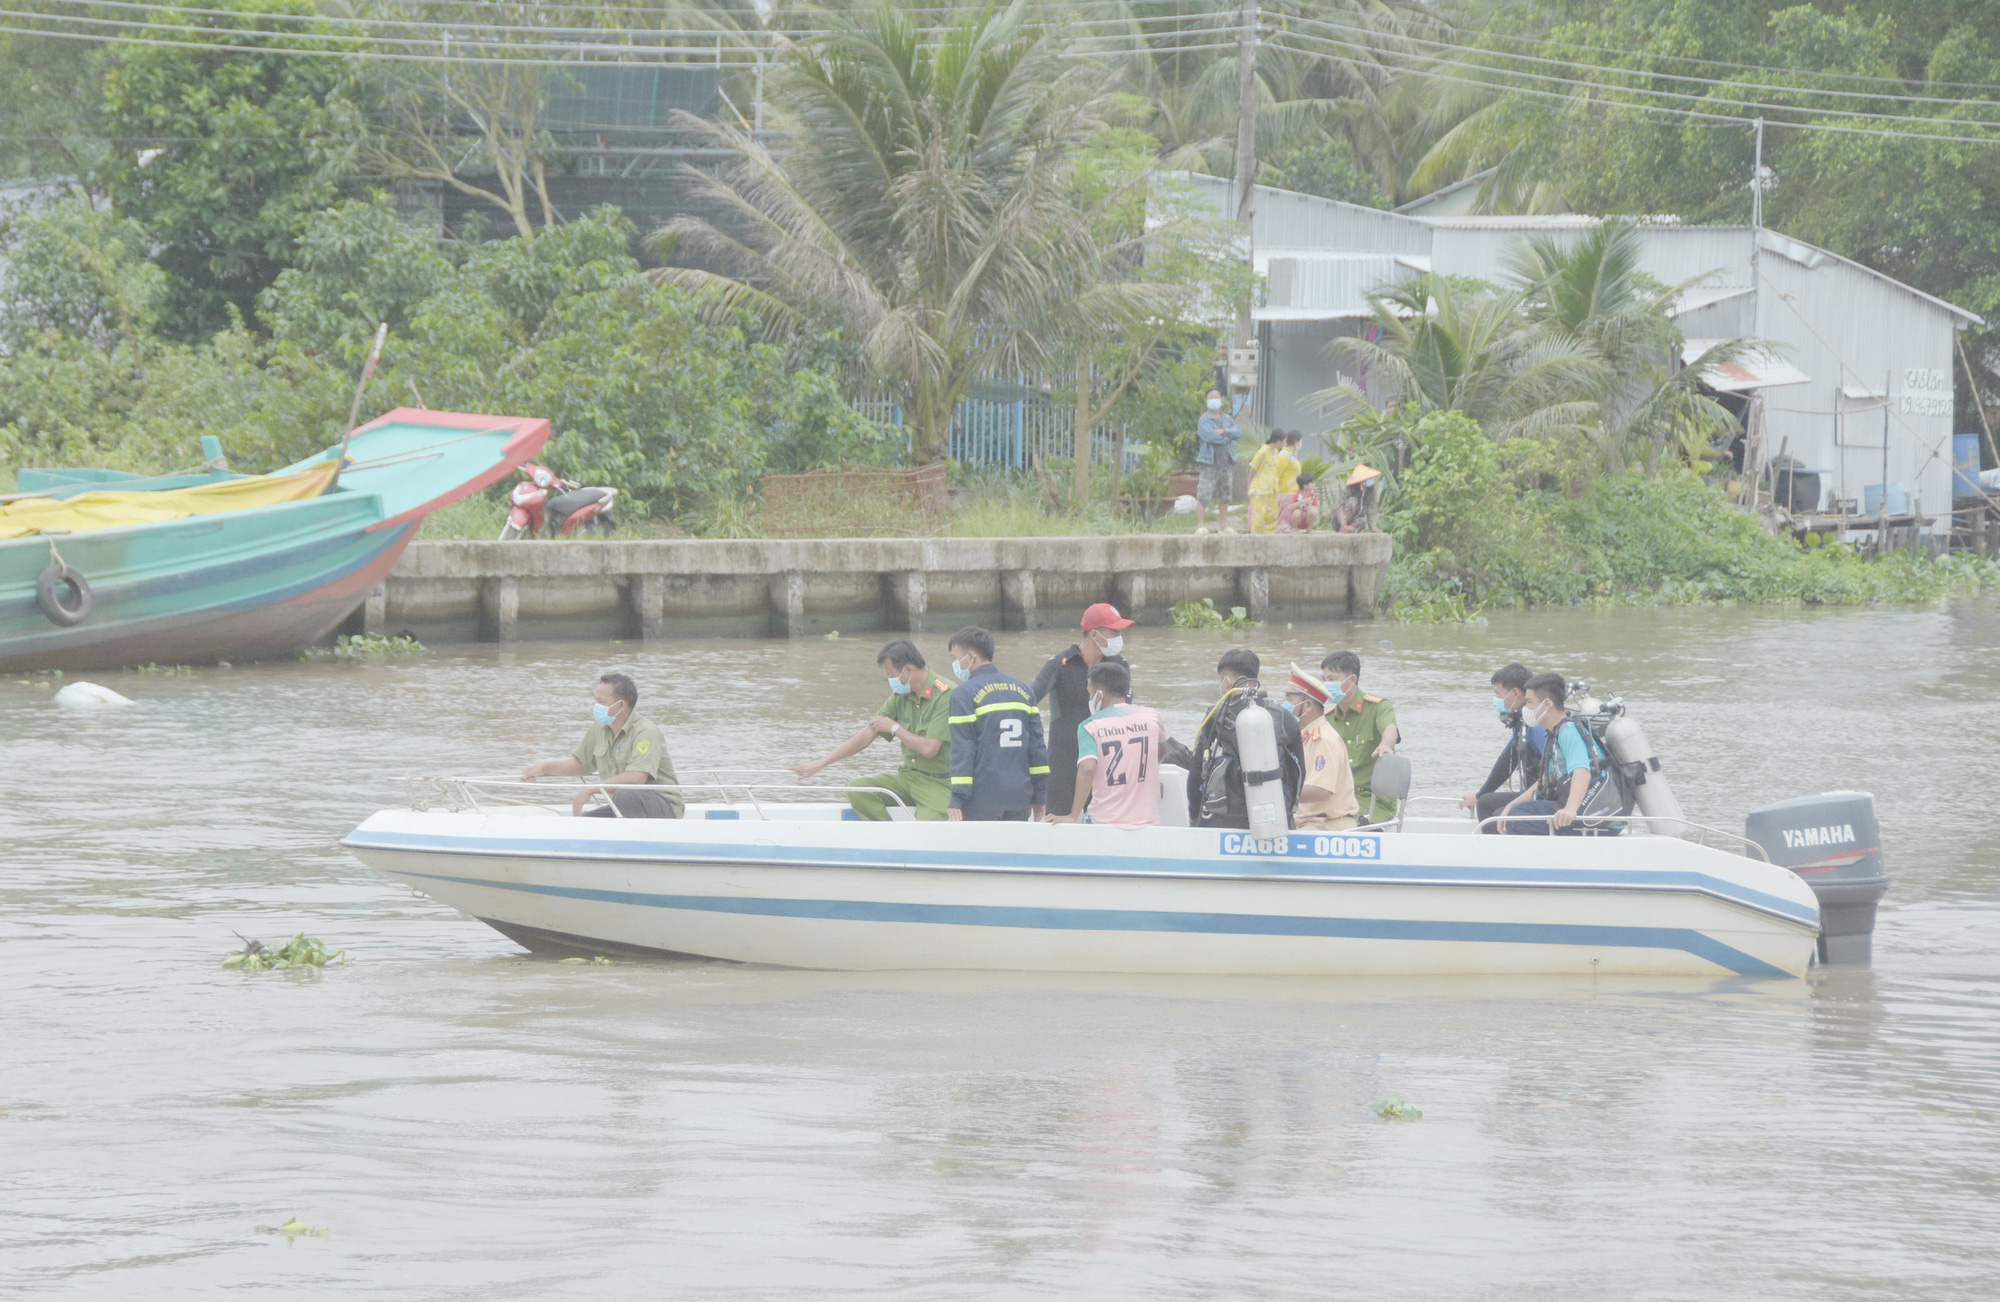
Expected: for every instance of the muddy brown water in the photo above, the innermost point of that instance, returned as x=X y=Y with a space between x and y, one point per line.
x=468 y=1122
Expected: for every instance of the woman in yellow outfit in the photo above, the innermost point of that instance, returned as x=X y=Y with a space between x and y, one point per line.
x=1265 y=468
x=1288 y=473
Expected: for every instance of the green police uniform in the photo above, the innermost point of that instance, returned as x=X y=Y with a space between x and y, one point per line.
x=638 y=746
x=1361 y=727
x=925 y=783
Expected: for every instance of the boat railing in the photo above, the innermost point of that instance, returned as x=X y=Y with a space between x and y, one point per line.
x=1600 y=824
x=456 y=794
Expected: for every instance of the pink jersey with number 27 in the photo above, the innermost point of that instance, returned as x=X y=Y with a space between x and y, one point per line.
x=1125 y=741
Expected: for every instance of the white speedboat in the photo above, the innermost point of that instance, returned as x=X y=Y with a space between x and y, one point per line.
x=804 y=885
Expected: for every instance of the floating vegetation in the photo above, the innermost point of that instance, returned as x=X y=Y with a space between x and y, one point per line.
x=174 y=671
x=599 y=960
x=294 y=1229
x=377 y=644
x=300 y=951
x=1203 y=614
x=1394 y=1109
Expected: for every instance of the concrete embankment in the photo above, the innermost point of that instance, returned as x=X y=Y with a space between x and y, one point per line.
x=491 y=591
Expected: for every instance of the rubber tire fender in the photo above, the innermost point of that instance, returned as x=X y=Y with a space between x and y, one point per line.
x=57 y=576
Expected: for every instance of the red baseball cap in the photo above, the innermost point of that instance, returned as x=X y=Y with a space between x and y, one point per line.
x=1104 y=615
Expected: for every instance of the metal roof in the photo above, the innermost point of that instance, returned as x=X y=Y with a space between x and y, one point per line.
x=1757 y=370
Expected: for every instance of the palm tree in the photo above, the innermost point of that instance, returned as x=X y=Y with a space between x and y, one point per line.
x=1592 y=290
x=922 y=192
x=1448 y=343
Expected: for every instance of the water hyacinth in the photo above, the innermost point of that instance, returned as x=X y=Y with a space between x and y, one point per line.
x=1394 y=1109
x=300 y=951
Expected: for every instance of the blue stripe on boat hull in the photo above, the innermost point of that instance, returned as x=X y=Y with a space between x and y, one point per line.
x=1147 y=920
x=1351 y=871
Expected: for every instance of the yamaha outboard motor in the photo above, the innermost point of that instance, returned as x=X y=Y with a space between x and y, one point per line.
x=1832 y=841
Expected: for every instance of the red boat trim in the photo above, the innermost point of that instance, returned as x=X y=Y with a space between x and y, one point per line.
x=530 y=434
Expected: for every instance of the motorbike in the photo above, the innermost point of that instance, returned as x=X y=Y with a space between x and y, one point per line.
x=534 y=512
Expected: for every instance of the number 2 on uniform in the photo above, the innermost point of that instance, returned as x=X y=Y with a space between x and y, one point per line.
x=1010 y=732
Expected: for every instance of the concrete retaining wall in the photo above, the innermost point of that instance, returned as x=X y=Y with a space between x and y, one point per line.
x=491 y=591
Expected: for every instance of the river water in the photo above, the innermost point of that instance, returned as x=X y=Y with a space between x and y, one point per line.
x=468 y=1122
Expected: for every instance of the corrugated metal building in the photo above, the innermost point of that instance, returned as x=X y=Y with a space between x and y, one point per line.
x=1859 y=385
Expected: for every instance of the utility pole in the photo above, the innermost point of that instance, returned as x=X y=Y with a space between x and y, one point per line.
x=1757 y=236
x=1246 y=153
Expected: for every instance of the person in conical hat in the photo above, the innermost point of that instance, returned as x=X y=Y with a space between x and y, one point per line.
x=1356 y=512
x=1327 y=802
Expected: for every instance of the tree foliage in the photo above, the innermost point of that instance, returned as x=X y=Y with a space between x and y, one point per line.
x=248 y=145
x=645 y=392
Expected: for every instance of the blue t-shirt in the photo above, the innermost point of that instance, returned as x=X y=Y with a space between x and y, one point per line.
x=1570 y=749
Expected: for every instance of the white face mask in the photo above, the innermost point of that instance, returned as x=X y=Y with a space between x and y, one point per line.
x=1113 y=644
x=1096 y=702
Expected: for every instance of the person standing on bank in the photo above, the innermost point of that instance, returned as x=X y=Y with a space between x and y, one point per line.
x=1064 y=682
x=1326 y=796
x=1522 y=755
x=917 y=716
x=622 y=748
x=1118 y=755
x=999 y=763
x=1215 y=454
x=1266 y=467
x=1366 y=723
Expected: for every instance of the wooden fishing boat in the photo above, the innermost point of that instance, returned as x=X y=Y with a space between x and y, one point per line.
x=213 y=567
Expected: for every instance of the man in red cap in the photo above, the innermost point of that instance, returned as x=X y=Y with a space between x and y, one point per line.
x=1326 y=797
x=1065 y=679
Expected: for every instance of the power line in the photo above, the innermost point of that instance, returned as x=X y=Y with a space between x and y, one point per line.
x=1699 y=99
x=1737 y=67
x=716 y=58
x=1504 y=88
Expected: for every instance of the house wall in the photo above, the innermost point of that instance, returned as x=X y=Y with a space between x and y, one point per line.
x=1849 y=329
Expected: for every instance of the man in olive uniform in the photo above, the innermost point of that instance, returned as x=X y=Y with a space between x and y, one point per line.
x=622 y=748
x=918 y=716
x=1366 y=723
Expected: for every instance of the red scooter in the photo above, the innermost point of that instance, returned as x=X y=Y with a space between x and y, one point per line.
x=576 y=511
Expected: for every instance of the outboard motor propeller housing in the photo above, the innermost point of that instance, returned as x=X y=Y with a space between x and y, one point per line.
x=1833 y=841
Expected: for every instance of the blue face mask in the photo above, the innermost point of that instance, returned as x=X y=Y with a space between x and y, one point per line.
x=1287 y=707
x=601 y=713
x=899 y=687
x=959 y=671
x=1500 y=707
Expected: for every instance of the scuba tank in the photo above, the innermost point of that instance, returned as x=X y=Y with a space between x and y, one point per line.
x=1263 y=772
x=1631 y=776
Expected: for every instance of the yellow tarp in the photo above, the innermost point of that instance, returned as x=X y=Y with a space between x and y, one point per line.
x=111 y=508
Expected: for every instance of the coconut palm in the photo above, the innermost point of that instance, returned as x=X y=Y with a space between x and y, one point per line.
x=1449 y=343
x=1592 y=289
x=922 y=191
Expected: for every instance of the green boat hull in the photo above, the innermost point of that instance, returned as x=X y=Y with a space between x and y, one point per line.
x=260 y=583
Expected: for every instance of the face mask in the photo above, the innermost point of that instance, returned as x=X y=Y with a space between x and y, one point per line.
x=959 y=671
x=1537 y=715
x=1096 y=704
x=1215 y=404
x=1113 y=645
x=601 y=713
x=1288 y=707
x=899 y=687
x=1500 y=707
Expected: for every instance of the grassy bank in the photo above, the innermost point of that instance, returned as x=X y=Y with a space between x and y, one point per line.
x=1477 y=526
